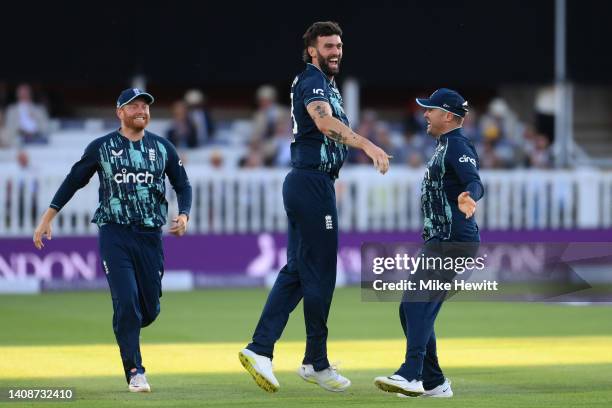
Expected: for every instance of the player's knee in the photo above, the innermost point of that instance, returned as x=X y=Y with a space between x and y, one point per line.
x=126 y=312
x=150 y=317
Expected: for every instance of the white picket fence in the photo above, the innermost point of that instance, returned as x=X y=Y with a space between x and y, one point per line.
x=241 y=201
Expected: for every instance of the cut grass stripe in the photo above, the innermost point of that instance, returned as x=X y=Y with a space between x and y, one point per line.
x=175 y=358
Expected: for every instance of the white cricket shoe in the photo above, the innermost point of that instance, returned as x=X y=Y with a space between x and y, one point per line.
x=441 y=391
x=138 y=383
x=328 y=379
x=398 y=384
x=260 y=368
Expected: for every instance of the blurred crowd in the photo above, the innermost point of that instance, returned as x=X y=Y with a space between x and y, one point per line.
x=502 y=141
x=24 y=121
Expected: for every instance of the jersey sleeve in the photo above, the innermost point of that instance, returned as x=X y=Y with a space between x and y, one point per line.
x=178 y=179
x=465 y=163
x=313 y=89
x=79 y=176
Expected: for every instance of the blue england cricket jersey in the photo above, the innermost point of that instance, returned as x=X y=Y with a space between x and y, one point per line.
x=132 y=179
x=311 y=149
x=452 y=169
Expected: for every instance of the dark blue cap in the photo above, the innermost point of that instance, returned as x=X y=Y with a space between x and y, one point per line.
x=130 y=94
x=447 y=100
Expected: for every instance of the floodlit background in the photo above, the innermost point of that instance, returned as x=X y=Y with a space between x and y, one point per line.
x=536 y=74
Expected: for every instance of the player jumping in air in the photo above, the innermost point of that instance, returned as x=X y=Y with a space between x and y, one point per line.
x=321 y=139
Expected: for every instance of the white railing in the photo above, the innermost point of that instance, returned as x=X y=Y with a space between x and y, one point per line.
x=241 y=201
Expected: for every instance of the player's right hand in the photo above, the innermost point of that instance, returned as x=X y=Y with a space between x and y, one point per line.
x=379 y=157
x=43 y=230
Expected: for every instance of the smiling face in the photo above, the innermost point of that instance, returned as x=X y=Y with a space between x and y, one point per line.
x=327 y=54
x=134 y=115
x=438 y=121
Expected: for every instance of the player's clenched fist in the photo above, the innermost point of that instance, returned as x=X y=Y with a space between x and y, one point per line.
x=179 y=225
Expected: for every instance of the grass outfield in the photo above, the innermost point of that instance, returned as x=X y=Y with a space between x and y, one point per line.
x=496 y=354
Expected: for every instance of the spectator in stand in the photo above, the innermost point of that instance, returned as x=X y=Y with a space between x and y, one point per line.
x=268 y=113
x=366 y=128
x=278 y=148
x=216 y=160
x=495 y=143
x=200 y=116
x=412 y=150
x=254 y=156
x=471 y=128
x=488 y=155
x=384 y=138
x=414 y=122
x=182 y=132
x=26 y=122
x=540 y=157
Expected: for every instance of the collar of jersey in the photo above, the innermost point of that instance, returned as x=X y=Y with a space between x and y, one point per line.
x=123 y=137
x=451 y=132
x=310 y=65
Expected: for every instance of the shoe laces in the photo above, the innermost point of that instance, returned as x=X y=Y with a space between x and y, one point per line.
x=335 y=365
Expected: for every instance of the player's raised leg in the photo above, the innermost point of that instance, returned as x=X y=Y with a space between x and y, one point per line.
x=282 y=300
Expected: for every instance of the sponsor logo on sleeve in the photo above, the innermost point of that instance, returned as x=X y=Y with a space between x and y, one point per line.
x=318 y=91
x=467 y=159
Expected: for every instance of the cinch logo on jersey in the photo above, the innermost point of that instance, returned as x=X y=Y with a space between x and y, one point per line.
x=466 y=159
x=125 y=177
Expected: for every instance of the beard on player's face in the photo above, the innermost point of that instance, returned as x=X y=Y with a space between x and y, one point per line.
x=327 y=65
x=136 y=121
x=135 y=115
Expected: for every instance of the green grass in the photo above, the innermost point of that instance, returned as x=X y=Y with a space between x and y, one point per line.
x=230 y=316
x=500 y=387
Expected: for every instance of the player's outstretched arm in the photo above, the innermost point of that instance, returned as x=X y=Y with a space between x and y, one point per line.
x=44 y=227
x=79 y=176
x=321 y=114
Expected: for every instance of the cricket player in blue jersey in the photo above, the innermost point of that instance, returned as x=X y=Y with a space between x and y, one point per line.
x=132 y=165
x=321 y=135
x=449 y=192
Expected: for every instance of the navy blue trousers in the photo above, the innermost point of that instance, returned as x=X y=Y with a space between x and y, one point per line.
x=133 y=260
x=310 y=274
x=418 y=317
x=421 y=361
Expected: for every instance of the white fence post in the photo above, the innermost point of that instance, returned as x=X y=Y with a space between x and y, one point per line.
x=243 y=201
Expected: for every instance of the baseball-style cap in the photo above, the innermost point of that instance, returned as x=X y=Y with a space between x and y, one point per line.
x=447 y=100
x=130 y=94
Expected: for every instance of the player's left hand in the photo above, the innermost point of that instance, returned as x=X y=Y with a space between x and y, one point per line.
x=467 y=205
x=179 y=225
